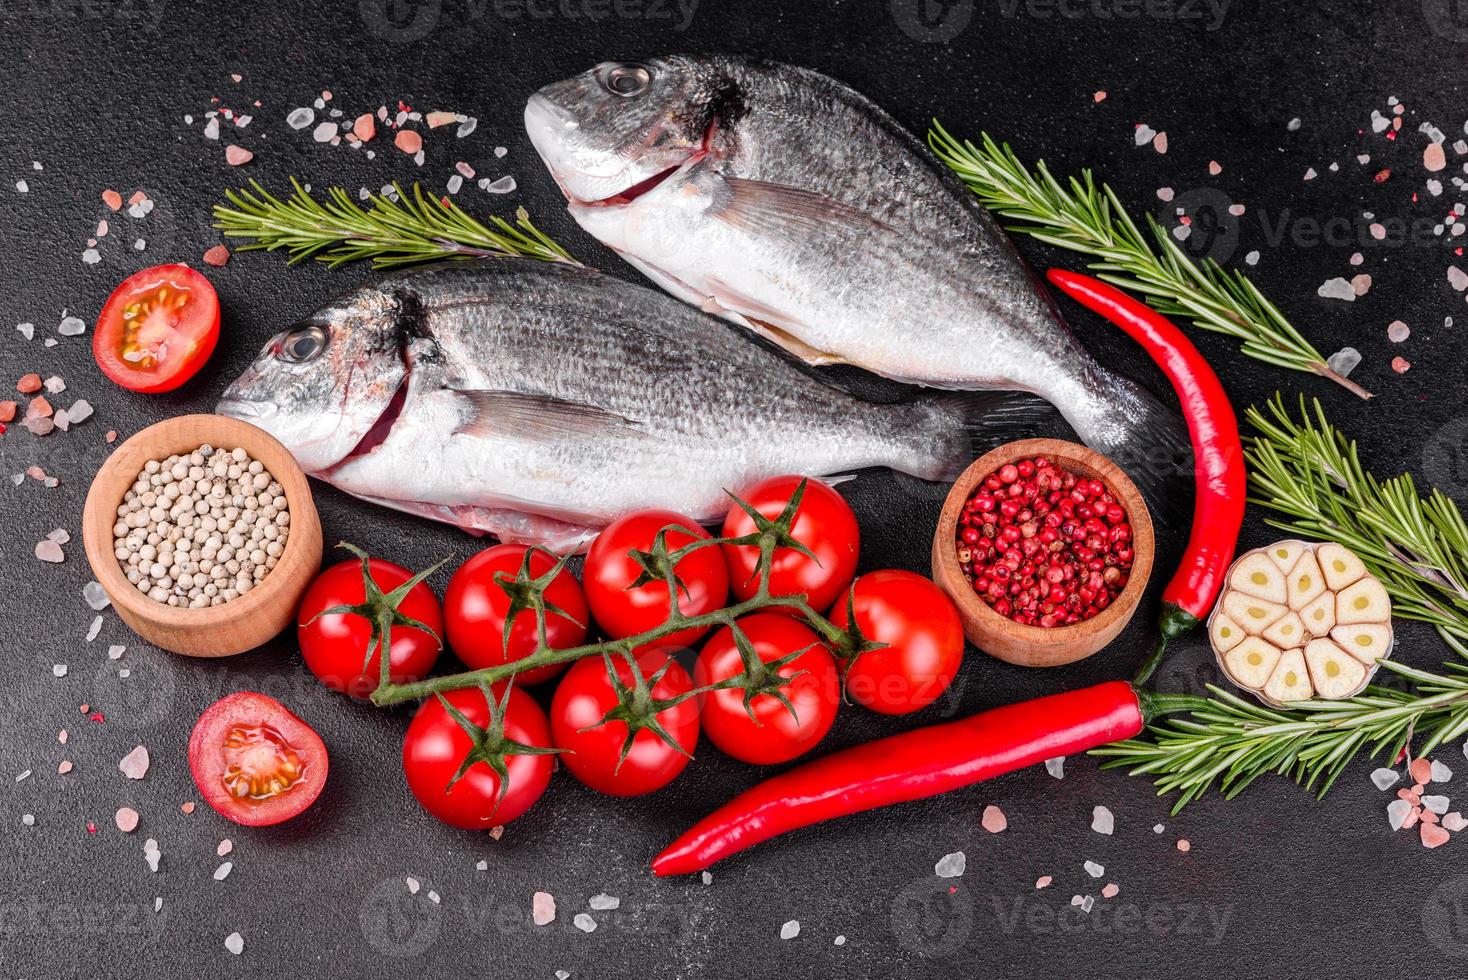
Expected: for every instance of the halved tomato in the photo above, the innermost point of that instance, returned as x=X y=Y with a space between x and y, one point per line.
x=157 y=328
x=254 y=761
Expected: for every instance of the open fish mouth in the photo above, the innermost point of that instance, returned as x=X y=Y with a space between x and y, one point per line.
x=631 y=193
x=246 y=409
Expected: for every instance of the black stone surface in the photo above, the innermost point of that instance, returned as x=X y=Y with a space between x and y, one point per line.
x=1276 y=883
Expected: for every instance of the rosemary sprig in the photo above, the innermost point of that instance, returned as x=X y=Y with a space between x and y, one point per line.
x=1087 y=217
x=1232 y=742
x=1309 y=471
x=416 y=227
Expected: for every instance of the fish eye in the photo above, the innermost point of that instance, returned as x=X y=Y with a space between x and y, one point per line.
x=302 y=344
x=625 y=80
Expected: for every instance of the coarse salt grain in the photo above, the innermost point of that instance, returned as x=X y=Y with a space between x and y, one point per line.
x=1111 y=890
x=134 y=765
x=1043 y=881
x=235 y=943
x=604 y=903
x=222 y=872
x=1093 y=869
x=1184 y=845
x=1056 y=766
x=237 y=156
x=790 y=929
x=1384 y=778
x=543 y=908
x=126 y=819
x=994 y=820
x=583 y=922
x=1102 y=820
x=1439 y=772
x=951 y=865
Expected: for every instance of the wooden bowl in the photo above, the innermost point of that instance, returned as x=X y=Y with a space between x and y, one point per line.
x=214 y=631
x=1035 y=646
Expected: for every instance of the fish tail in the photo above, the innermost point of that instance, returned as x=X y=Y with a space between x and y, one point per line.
x=960 y=426
x=1148 y=440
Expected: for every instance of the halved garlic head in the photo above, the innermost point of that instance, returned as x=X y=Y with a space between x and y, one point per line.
x=1251 y=662
x=1225 y=633
x=1335 y=673
x=1340 y=566
x=1254 y=615
x=1290 y=680
x=1300 y=620
x=1257 y=576
x=1367 y=642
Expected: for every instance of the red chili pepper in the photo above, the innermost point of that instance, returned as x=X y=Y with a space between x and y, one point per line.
x=911 y=766
x=1218 y=508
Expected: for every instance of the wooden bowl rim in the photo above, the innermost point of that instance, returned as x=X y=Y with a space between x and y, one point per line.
x=1143 y=541
x=114 y=478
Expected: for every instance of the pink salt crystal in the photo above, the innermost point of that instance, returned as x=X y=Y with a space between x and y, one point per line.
x=437 y=119
x=112 y=199
x=1397 y=331
x=1357 y=258
x=91 y=827
x=237 y=156
x=1429 y=817
x=365 y=127
x=543 y=908
x=994 y=820
x=1111 y=890
x=464 y=169
x=225 y=846
x=127 y=819
x=408 y=141
x=1433 y=158
x=1378 y=230
x=102 y=228
x=49 y=550
x=61 y=736
x=1401 y=365
x=217 y=256
x=1159 y=142
x=1098 y=96
x=187 y=807
x=111 y=435
x=1361 y=283
x=64 y=767
x=1410 y=796
x=1413 y=816
x=1454 y=821
x=1184 y=845
x=1433 y=835
x=1214 y=168
x=497 y=831
x=134 y=765
x=138 y=197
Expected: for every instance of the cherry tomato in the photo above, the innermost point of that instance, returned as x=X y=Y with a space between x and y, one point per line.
x=157 y=328
x=475 y=607
x=436 y=746
x=594 y=750
x=335 y=645
x=824 y=524
x=610 y=570
x=924 y=640
x=773 y=735
x=254 y=761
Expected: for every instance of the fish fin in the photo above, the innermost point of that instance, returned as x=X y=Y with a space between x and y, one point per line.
x=974 y=422
x=790 y=213
x=491 y=412
x=788 y=342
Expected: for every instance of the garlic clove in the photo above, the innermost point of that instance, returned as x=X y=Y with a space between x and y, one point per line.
x=1290 y=680
x=1257 y=576
x=1225 y=633
x=1335 y=673
x=1254 y=615
x=1306 y=582
x=1287 y=632
x=1284 y=554
x=1319 y=616
x=1339 y=565
x=1251 y=662
x=1364 y=602
x=1364 y=641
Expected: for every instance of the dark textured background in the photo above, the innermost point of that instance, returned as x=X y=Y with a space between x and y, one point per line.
x=1275 y=883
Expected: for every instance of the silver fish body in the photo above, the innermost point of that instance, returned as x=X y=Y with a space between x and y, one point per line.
x=539 y=402
x=786 y=202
